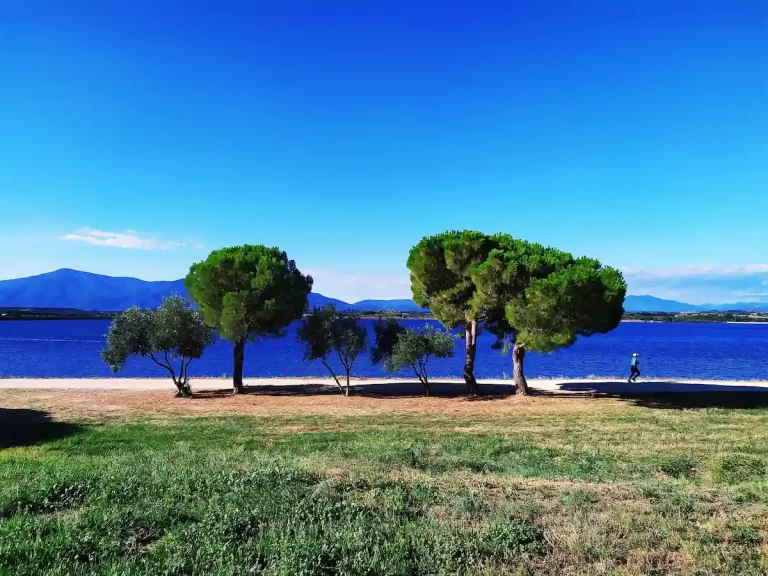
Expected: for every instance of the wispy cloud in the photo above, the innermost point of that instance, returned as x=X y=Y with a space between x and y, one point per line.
x=353 y=287
x=705 y=270
x=694 y=284
x=128 y=239
x=702 y=284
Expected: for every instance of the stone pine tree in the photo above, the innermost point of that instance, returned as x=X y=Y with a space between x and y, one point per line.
x=248 y=292
x=441 y=269
x=539 y=298
x=171 y=336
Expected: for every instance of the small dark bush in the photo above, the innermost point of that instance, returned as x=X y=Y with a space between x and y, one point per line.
x=516 y=537
x=735 y=468
x=676 y=466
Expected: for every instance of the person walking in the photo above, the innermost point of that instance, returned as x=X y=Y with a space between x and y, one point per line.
x=634 y=367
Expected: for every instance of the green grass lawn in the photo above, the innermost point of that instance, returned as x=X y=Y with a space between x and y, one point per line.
x=636 y=491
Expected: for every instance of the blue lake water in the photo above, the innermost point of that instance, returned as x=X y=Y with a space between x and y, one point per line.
x=70 y=348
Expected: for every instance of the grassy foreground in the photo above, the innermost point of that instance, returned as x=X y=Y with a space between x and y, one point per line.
x=631 y=491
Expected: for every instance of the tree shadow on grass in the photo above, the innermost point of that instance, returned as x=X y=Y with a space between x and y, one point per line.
x=669 y=395
x=380 y=390
x=25 y=427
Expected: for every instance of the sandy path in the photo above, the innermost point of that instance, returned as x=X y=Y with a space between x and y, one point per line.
x=555 y=385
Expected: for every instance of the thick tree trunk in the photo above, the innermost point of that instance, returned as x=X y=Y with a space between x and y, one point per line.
x=470 y=330
x=347 y=394
x=518 y=360
x=237 y=375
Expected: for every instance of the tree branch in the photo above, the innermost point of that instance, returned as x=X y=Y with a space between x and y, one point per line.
x=166 y=366
x=186 y=370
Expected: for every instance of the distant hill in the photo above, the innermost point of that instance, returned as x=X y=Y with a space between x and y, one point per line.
x=740 y=306
x=85 y=291
x=74 y=289
x=653 y=304
x=67 y=288
x=382 y=305
x=315 y=300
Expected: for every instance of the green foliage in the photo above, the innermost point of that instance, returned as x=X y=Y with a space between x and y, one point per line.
x=349 y=340
x=441 y=269
x=248 y=291
x=580 y=299
x=516 y=537
x=414 y=348
x=736 y=468
x=316 y=333
x=387 y=330
x=677 y=466
x=324 y=331
x=539 y=297
x=175 y=332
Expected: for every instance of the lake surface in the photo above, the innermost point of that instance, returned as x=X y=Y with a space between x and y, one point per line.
x=70 y=348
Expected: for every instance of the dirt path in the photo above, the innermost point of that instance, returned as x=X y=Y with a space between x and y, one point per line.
x=98 y=399
x=397 y=387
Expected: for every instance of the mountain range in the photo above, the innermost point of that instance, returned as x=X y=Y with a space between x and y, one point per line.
x=67 y=288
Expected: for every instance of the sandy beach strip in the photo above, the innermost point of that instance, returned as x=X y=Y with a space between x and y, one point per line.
x=551 y=385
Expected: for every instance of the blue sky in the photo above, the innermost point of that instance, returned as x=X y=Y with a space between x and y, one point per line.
x=135 y=136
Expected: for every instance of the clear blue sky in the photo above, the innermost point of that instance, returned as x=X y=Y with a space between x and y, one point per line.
x=635 y=132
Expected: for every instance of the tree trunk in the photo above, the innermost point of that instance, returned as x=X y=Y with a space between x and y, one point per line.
x=347 y=394
x=182 y=389
x=334 y=376
x=421 y=379
x=470 y=330
x=518 y=359
x=237 y=375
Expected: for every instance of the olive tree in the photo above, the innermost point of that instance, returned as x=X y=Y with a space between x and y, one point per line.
x=414 y=348
x=540 y=298
x=171 y=336
x=349 y=340
x=248 y=292
x=386 y=330
x=441 y=269
x=316 y=333
x=325 y=331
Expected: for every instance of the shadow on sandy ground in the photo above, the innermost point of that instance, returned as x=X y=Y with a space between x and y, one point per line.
x=671 y=395
x=403 y=389
x=656 y=394
x=25 y=427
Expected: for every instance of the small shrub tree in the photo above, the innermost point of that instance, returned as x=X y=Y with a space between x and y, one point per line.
x=387 y=330
x=324 y=331
x=316 y=333
x=174 y=333
x=348 y=340
x=414 y=348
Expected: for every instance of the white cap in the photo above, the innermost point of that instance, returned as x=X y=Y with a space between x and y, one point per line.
x=635 y=354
